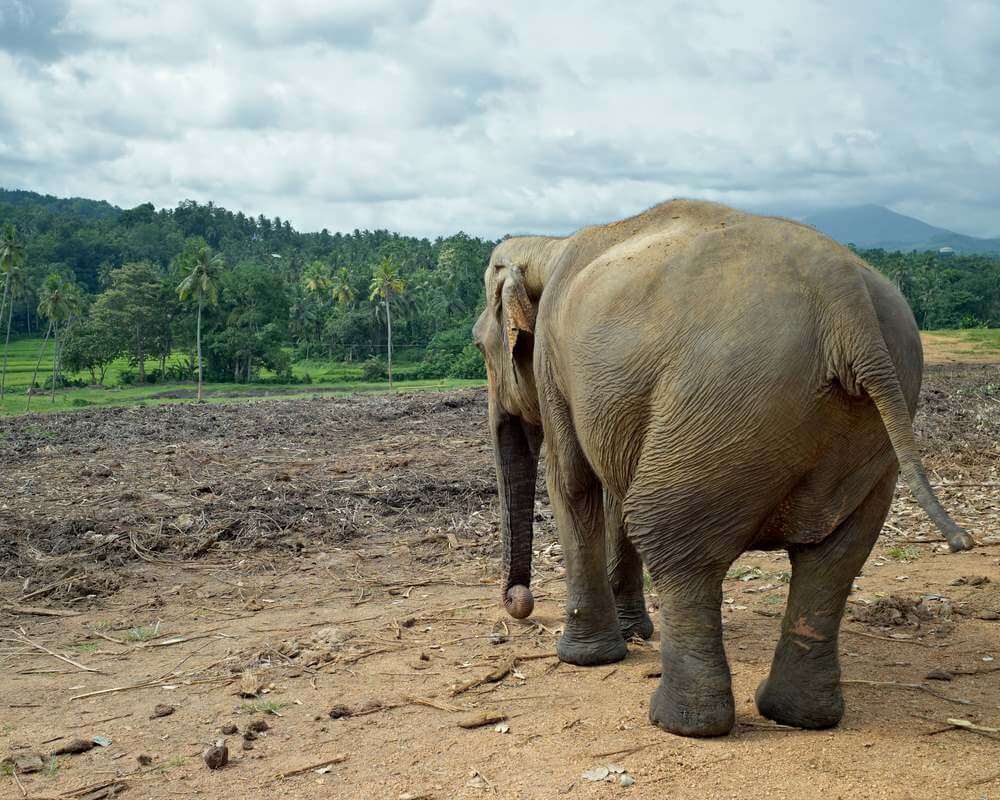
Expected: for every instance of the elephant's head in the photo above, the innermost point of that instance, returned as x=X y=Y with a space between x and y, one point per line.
x=505 y=333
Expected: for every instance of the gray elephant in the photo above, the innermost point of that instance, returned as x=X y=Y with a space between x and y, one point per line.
x=706 y=382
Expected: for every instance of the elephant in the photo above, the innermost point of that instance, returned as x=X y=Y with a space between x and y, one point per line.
x=705 y=382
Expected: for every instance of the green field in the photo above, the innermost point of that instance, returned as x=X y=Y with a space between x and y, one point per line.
x=327 y=377
x=974 y=345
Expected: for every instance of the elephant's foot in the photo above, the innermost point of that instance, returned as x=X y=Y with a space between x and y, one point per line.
x=693 y=707
x=809 y=701
x=590 y=649
x=633 y=619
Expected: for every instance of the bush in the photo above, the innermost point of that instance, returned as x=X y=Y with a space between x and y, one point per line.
x=126 y=377
x=374 y=369
x=62 y=382
x=469 y=364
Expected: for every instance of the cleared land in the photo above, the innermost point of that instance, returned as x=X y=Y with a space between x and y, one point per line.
x=336 y=559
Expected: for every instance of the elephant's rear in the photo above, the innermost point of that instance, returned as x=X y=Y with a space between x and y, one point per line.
x=726 y=362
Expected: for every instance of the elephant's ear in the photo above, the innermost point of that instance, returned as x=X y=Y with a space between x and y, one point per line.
x=518 y=310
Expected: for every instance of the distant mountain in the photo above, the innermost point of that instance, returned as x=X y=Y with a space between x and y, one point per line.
x=871 y=226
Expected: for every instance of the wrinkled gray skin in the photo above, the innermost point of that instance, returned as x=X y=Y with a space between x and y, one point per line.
x=706 y=382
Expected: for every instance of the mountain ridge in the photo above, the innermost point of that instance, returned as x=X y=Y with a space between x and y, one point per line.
x=873 y=226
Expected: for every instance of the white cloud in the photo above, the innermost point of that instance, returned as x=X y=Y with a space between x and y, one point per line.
x=432 y=117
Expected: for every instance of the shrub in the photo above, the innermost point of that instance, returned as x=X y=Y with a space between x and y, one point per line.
x=374 y=369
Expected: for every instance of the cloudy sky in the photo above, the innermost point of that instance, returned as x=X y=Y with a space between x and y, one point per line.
x=429 y=116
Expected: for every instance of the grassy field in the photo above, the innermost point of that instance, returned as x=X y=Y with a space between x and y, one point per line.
x=951 y=346
x=327 y=377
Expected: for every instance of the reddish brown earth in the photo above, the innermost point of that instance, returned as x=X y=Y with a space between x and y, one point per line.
x=341 y=554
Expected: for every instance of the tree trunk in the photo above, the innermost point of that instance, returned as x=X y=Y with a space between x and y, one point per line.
x=142 y=357
x=6 y=344
x=34 y=374
x=388 y=328
x=198 y=338
x=55 y=362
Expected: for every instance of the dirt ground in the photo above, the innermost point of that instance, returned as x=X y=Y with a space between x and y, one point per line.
x=335 y=560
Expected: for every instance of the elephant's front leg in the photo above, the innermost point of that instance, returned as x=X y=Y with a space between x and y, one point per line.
x=625 y=574
x=591 y=635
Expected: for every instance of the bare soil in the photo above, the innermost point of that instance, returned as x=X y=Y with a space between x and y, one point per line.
x=336 y=560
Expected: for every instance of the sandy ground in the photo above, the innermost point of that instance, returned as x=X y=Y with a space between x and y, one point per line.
x=339 y=555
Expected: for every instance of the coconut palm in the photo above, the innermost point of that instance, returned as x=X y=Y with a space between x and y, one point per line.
x=201 y=286
x=14 y=288
x=316 y=277
x=341 y=290
x=11 y=258
x=60 y=301
x=386 y=282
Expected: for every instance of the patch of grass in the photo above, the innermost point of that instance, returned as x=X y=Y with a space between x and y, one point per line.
x=142 y=633
x=172 y=763
x=86 y=647
x=6 y=769
x=903 y=554
x=52 y=767
x=743 y=573
x=262 y=707
x=774 y=599
x=330 y=378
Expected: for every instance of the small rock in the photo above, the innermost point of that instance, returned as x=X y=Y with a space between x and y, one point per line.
x=626 y=780
x=229 y=730
x=247 y=744
x=144 y=760
x=258 y=726
x=939 y=675
x=216 y=757
x=339 y=711
x=992 y=616
x=28 y=763
x=249 y=735
x=74 y=747
x=596 y=774
x=162 y=710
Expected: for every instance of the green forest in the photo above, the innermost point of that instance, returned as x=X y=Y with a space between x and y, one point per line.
x=257 y=296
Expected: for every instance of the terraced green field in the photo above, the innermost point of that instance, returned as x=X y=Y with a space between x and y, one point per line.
x=327 y=378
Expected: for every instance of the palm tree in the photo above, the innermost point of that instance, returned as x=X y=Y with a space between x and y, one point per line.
x=11 y=257
x=386 y=282
x=200 y=285
x=59 y=302
x=14 y=285
x=341 y=291
x=316 y=277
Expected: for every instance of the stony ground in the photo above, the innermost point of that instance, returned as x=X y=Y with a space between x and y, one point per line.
x=328 y=567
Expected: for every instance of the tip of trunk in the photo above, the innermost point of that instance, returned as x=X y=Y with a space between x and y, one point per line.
x=518 y=601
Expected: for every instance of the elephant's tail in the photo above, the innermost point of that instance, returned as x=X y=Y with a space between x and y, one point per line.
x=876 y=374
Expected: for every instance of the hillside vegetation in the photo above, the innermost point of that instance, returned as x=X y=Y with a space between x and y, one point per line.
x=100 y=287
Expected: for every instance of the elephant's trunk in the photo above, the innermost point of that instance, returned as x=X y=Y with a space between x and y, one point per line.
x=516 y=446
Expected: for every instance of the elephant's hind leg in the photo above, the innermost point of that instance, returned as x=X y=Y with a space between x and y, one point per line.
x=803 y=688
x=625 y=574
x=590 y=635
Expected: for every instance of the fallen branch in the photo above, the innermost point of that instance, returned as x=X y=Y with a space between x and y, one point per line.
x=147 y=685
x=41 y=612
x=337 y=759
x=495 y=676
x=894 y=639
x=431 y=703
x=25 y=640
x=915 y=686
x=964 y=724
x=481 y=718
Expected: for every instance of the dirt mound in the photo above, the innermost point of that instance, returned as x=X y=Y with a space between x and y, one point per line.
x=903 y=612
